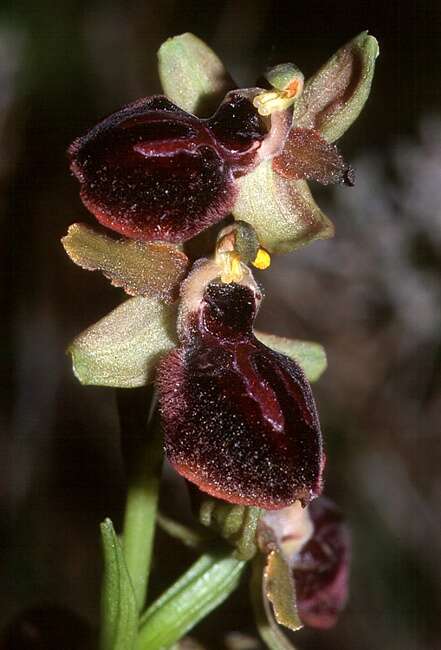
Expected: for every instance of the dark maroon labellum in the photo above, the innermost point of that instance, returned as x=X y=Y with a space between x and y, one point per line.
x=152 y=171
x=239 y=419
x=321 y=568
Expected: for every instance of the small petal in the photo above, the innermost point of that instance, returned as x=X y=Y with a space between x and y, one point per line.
x=141 y=268
x=240 y=420
x=308 y=156
x=321 y=568
x=311 y=357
x=333 y=98
x=124 y=348
x=192 y=75
x=282 y=212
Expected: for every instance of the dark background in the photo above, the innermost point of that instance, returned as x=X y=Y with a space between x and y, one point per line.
x=372 y=296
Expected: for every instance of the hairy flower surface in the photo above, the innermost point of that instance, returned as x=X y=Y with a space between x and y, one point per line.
x=240 y=420
x=155 y=172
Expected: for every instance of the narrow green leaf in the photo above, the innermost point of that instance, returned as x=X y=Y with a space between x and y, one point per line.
x=119 y=610
x=192 y=75
x=208 y=583
x=140 y=268
x=124 y=347
x=311 y=357
x=333 y=98
x=282 y=212
x=185 y=580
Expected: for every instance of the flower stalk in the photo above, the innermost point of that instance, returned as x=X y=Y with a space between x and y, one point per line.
x=142 y=448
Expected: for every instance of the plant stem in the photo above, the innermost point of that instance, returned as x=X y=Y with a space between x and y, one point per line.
x=203 y=587
x=142 y=449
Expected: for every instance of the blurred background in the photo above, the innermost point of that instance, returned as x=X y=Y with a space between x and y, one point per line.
x=372 y=296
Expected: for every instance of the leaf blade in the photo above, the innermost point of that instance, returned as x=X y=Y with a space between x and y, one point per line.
x=212 y=579
x=119 y=610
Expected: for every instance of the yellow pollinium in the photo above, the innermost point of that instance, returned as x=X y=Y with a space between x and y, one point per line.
x=232 y=254
x=262 y=260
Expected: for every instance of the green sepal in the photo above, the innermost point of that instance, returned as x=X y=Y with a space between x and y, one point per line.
x=123 y=348
x=333 y=98
x=119 y=609
x=311 y=357
x=192 y=75
x=153 y=269
x=282 y=212
x=235 y=523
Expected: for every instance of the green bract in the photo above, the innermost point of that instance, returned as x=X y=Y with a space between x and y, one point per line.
x=269 y=630
x=280 y=590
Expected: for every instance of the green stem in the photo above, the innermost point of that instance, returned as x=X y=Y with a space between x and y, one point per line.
x=142 y=448
x=203 y=587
